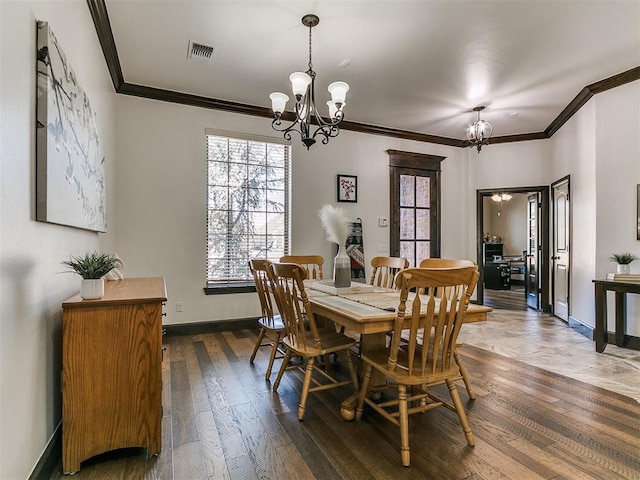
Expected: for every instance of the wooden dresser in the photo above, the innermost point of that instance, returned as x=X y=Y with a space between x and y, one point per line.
x=112 y=370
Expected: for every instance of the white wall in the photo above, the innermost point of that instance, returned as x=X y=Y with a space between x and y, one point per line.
x=617 y=150
x=161 y=202
x=510 y=225
x=573 y=153
x=500 y=166
x=31 y=288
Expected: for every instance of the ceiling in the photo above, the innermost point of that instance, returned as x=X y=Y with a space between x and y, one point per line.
x=416 y=66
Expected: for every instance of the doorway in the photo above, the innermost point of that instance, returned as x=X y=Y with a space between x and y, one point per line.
x=514 y=272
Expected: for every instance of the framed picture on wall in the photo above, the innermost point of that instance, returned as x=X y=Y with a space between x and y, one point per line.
x=347 y=188
x=638 y=211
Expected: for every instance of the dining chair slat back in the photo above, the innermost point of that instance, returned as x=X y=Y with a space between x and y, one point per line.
x=385 y=270
x=311 y=263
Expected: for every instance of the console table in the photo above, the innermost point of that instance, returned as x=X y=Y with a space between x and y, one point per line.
x=112 y=370
x=601 y=335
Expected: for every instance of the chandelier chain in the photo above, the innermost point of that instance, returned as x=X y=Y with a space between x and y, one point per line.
x=310 y=64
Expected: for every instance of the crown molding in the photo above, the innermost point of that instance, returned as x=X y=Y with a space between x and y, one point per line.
x=100 y=17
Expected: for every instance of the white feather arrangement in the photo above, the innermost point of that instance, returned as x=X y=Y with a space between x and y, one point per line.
x=335 y=223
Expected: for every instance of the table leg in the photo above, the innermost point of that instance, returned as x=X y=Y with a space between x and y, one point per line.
x=367 y=343
x=600 y=332
x=621 y=317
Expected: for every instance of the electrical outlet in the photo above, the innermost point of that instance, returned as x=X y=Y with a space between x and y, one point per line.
x=178 y=306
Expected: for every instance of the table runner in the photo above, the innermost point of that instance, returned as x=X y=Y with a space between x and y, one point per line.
x=387 y=301
x=383 y=301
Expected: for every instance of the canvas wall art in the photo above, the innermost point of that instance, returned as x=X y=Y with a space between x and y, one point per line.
x=70 y=186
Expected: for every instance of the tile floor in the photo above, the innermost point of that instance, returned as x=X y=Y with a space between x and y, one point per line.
x=547 y=342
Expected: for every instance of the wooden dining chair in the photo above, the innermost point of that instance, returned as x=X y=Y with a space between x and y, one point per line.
x=413 y=368
x=271 y=325
x=385 y=270
x=453 y=263
x=303 y=337
x=312 y=264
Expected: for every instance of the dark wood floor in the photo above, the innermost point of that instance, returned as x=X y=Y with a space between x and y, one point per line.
x=221 y=420
x=512 y=299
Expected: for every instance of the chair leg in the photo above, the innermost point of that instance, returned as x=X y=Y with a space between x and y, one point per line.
x=352 y=370
x=363 y=391
x=283 y=367
x=461 y=413
x=258 y=344
x=327 y=361
x=463 y=373
x=305 y=388
x=404 y=425
x=274 y=351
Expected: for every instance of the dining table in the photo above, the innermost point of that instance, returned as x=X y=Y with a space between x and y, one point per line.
x=370 y=313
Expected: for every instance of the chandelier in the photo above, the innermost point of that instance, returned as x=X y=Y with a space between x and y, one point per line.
x=501 y=197
x=479 y=131
x=306 y=113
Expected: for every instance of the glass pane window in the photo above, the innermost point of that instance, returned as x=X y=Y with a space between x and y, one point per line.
x=248 y=206
x=407 y=191
x=407 y=224
x=423 y=225
x=423 y=250
x=407 y=250
x=423 y=192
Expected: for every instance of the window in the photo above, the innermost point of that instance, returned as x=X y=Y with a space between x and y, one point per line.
x=415 y=205
x=248 y=206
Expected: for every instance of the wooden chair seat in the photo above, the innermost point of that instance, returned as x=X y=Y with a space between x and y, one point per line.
x=330 y=341
x=276 y=323
x=379 y=359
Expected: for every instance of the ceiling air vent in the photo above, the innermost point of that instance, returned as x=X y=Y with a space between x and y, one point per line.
x=200 y=52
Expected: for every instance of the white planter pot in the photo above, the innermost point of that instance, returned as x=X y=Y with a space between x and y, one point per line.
x=92 y=289
x=623 y=268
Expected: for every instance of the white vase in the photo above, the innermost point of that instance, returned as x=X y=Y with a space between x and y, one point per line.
x=342 y=269
x=623 y=268
x=92 y=289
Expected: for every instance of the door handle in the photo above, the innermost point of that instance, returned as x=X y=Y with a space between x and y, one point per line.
x=555 y=258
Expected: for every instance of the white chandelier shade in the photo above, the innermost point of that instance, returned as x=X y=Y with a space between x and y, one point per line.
x=501 y=197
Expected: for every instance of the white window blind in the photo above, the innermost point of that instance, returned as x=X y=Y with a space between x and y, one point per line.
x=248 y=205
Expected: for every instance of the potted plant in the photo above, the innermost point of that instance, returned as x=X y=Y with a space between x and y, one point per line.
x=92 y=267
x=623 y=260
